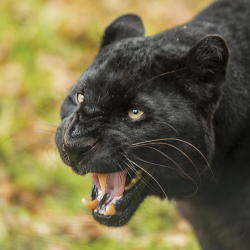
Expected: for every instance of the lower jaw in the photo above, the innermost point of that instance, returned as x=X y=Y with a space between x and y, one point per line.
x=118 y=219
x=125 y=207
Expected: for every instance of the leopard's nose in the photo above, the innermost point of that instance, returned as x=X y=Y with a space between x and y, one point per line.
x=79 y=138
x=80 y=144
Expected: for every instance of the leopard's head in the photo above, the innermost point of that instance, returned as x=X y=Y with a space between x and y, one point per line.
x=139 y=119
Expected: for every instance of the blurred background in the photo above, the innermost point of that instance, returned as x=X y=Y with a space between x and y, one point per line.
x=44 y=47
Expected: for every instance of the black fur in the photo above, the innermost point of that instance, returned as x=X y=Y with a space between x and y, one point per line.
x=192 y=82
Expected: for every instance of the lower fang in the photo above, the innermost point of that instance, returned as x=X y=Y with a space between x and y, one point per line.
x=90 y=204
x=132 y=183
x=110 y=210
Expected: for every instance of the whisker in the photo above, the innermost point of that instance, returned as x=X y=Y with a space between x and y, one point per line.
x=176 y=139
x=150 y=176
x=128 y=167
x=129 y=164
x=170 y=126
x=179 y=150
x=134 y=170
x=201 y=154
x=119 y=165
x=152 y=163
x=173 y=161
x=191 y=145
x=191 y=179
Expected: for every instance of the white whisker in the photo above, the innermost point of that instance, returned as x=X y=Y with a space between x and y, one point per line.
x=150 y=176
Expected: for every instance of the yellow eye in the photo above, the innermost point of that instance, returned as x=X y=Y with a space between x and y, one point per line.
x=79 y=98
x=135 y=113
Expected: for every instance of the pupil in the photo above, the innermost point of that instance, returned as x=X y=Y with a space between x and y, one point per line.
x=135 y=111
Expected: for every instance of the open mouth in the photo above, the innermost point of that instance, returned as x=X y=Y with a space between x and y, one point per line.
x=115 y=196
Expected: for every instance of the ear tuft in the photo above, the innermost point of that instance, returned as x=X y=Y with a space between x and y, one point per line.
x=125 y=26
x=209 y=57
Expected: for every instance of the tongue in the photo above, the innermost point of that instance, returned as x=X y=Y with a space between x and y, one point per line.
x=113 y=183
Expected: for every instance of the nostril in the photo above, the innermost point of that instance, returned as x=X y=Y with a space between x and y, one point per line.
x=75 y=131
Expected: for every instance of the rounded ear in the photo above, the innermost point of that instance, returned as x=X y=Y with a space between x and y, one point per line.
x=208 y=58
x=125 y=26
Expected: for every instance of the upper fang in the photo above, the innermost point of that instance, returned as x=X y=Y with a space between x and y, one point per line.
x=102 y=180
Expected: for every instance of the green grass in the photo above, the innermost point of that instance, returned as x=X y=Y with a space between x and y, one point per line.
x=44 y=47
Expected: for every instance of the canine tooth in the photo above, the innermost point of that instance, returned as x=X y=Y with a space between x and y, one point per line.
x=134 y=180
x=132 y=183
x=139 y=172
x=102 y=180
x=110 y=210
x=90 y=204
